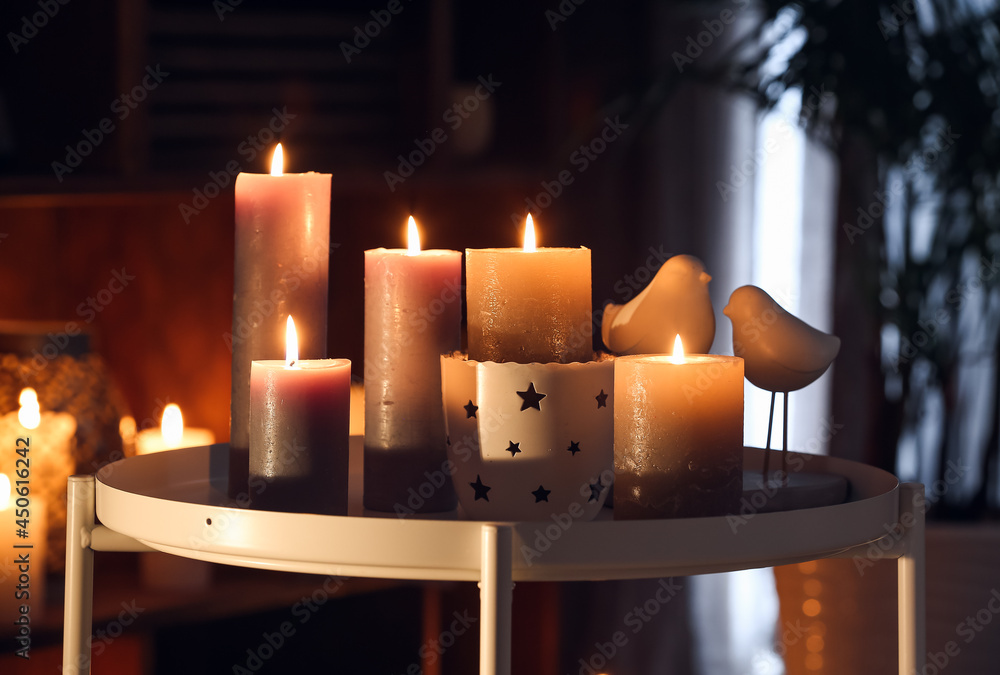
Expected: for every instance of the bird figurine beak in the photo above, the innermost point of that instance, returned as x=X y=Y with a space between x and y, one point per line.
x=705 y=277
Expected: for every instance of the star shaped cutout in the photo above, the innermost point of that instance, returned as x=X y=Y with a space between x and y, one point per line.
x=602 y=399
x=531 y=398
x=470 y=409
x=595 y=491
x=513 y=448
x=480 y=489
x=574 y=447
x=541 y=494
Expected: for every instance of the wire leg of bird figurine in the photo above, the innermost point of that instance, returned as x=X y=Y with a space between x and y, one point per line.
x=784 y=442
x=767 y=448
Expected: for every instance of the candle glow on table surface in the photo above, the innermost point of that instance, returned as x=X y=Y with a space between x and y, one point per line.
x=529 y=304
x=678 y=435
x=172 y=434
x=282 y=257
x=299 y=432
x=413 y=312
x=13 y=518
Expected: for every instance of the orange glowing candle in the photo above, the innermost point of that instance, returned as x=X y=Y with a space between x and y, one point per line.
x=172 y=434
x=678 y=435
x=529 y=305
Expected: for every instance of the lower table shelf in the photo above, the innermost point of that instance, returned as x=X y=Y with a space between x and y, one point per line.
x=176 y=502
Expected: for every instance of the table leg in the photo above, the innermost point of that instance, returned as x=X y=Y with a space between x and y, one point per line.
x=496 y=594
x=911 y=575
x=79 y=601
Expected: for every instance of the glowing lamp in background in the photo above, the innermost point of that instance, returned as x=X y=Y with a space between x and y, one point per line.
x=172 y=434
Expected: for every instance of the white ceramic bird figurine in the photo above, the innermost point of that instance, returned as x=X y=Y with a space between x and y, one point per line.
x=780 y=352
x=676 y=302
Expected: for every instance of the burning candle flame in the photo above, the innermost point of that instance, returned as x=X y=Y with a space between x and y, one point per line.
x=278 y=161
x=4 y=491
x=678 y=356
x=412 y=237
x=291 y=344
x=30 y=413
x=172 y=426
x=529 y=234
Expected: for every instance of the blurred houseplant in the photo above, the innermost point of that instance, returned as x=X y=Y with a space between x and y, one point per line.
x=915 y=123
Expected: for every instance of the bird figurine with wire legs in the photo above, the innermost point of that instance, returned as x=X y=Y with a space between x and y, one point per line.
x=675 y=302
x=781 y=353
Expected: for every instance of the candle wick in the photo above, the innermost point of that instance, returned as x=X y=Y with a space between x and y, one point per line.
x=291 y=364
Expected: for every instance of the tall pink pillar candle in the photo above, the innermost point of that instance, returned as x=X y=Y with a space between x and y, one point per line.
x=299 y=435
x=413 y=307
x=529 y=305
x=282 y=268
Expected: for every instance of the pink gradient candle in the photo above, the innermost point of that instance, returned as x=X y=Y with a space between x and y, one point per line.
x=282 y=267
x=413 y=310
x=299 y=433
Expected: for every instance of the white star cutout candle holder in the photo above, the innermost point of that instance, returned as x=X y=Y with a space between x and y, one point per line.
x=529 y=441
